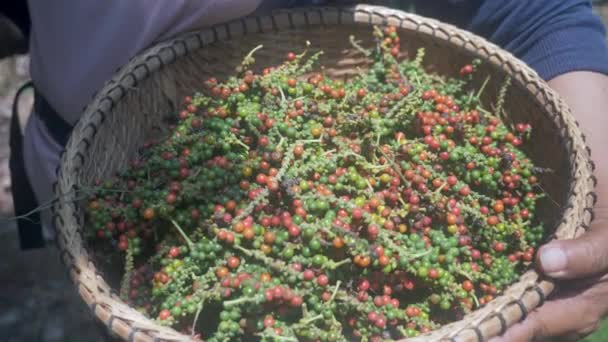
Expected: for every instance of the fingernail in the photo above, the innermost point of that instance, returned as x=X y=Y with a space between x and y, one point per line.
x=553 y=260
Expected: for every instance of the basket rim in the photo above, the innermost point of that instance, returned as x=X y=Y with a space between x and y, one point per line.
x=493 y=319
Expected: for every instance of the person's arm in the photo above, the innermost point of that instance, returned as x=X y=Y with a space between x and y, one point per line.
x=553 y=37
x=586 y=93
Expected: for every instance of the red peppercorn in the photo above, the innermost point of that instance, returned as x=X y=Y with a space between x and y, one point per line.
x=174 y=252
x=268 y=321
x=164 y=314
x=466 y=70
x=308 y=275
x=499 y=247
x=233 y=262
x=493 y=220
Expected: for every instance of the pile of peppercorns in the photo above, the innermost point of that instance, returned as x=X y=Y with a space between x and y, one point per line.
x=289 y=206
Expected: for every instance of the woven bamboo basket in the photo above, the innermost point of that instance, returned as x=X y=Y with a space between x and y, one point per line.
x=130 y=108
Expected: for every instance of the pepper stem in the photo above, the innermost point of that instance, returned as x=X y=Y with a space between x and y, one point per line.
x=183 y=234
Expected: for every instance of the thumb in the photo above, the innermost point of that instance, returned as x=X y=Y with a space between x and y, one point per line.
x=576 y=258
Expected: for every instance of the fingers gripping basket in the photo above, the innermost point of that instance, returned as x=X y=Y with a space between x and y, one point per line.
x=130 y=108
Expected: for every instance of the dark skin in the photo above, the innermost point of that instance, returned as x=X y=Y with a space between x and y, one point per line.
x=581 y=271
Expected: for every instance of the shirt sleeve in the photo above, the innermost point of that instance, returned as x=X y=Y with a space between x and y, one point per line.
x=552 y=36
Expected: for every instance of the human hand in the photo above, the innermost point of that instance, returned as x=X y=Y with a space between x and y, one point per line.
x=580 y=268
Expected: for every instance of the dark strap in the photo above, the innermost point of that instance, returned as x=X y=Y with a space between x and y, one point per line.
x=29 y=228
x=58 y=128
x=24 y=199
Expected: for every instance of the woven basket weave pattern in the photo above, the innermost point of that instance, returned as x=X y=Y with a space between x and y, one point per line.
x=130 y=109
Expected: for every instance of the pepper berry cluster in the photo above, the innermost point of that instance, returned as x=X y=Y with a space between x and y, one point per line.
x=286 y=205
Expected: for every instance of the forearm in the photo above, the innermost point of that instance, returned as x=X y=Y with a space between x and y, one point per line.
x=587 y=95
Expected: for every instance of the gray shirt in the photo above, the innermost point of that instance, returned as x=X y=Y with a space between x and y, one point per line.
x=76 y=46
